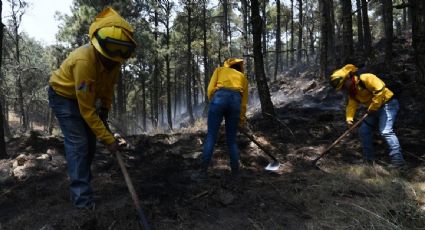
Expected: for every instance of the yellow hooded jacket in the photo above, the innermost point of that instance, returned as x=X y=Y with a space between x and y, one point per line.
x=228 y=78
x=83 y=77
x=373 y=96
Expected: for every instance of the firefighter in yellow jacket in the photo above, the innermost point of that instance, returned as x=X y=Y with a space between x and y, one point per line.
x=228 y=96
x=382 y=107
x=84 y=79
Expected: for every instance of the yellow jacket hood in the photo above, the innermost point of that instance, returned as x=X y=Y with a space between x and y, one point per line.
x=232 y=61
x=109 y=17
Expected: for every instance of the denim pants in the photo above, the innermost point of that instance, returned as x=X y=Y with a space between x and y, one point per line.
x=80 y=146
x=225 y=103
x=383 y=119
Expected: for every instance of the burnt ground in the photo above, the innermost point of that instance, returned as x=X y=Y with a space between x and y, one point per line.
x=344 y=194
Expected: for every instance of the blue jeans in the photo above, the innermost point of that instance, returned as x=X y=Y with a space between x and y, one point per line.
x=225 y=103
x=384 y=120
x=80 y=146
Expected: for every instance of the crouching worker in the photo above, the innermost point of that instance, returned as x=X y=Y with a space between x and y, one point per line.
x=88 y=75
x=228 y=96
x=382 y=107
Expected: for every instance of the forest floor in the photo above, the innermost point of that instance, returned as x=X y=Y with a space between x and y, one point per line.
x=344 y=194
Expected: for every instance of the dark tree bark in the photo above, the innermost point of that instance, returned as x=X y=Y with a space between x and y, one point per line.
x=245 y=13
x=267 y=108
x=366 y=29
x=292 y=60
x=3 y=153
x=18 y=11
x=205 y=50
x=278 y=40
x=144 y=97
x=156 y=72
x=264 y=33
x=331 y=34
x=359 y=26
x=347 y=30
x=167 y=7
x=226 y=23
x=404 y=17
x=300 y=30
x=418 y=32
x=189 y=62
x=325 y=20
x=387 y=17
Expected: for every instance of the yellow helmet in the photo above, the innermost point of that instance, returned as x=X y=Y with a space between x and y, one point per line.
x=114 y=43
x=338 y=77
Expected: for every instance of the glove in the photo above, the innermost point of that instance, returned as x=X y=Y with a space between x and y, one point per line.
x=371 y=112
x=121 y=141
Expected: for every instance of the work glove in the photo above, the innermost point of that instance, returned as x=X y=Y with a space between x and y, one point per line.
x=371 y=112
x=121 y=141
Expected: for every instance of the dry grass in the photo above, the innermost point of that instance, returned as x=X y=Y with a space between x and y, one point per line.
x=363 y=197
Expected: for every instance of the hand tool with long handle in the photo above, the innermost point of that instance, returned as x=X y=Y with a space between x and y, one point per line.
x=273 y=166
x=127 y=179
x=355 y=125
x=132 y=191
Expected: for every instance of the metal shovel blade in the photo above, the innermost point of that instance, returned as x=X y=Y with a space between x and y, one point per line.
x=273 y=166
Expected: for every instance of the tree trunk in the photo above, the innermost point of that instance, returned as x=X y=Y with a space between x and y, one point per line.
x=404 y=17
x=325 y=20
x=144 y=112
x=225 y=24
x=418 y=32
x=264 y=33
x=300 y=30
x=167 y=64
x=16 y=20
x=347 y=31
x=359 y=26
x=287 y=42
x=205 y=50
x=3 y=153
x=278 y=41
x=263 y=89
x=189 y=62
x=156 y=73
x=366 y=29
x=292 y=33
x=387 y=17
x=331 y=34
x=245 y=13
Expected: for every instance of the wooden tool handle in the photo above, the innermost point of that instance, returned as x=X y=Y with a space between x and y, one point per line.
x=355 y=125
